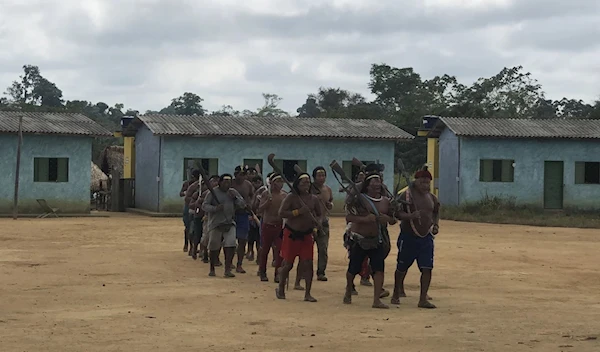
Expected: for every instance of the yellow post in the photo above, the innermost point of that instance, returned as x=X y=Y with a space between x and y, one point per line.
x=433 y=160
x=129 y=157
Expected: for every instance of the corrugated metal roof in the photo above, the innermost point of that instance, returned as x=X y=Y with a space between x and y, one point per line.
x=51 y=123
x=519 y=128
x=273 y=127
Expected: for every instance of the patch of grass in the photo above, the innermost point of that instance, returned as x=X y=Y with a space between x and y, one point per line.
x=499 y=210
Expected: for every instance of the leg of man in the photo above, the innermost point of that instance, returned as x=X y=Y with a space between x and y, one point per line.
x=197 y=237
x=305 y=261
x=186 y=213
x=365 y=273
x=425 y=263
x=214 y=239
x=356 y=255
x=241 y=231
x=269 y=233
x=322 y=249
x=377 y=260
x=229 y=246
x=299 y=277
x=289 y=251
x=407 y=254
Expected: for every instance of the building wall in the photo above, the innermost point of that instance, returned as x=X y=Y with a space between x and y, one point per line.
x=231 y=152
x=448 y=173
x=529 y=156
x=147 y=159
x=70 y=197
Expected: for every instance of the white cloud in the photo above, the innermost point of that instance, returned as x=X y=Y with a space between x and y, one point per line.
x=143 y=53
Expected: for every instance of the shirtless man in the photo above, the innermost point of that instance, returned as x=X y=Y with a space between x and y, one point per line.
x=324 y=193
x=186 y=210
x=366 y=235
x=298 y=208
x=221 y=222
x=271 y=224
x=191 y=195
x=242 y=216
x=214 y=182
x=419 y=224
x=254 y=232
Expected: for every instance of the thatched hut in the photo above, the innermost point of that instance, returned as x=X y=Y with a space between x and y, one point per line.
x=112 y=159
x=99 y=179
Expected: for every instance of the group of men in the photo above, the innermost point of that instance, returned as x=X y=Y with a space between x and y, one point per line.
x=239 y=213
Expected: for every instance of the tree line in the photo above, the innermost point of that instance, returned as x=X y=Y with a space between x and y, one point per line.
x=402 y=97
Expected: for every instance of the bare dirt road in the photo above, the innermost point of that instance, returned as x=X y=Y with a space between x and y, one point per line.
x=123 y=284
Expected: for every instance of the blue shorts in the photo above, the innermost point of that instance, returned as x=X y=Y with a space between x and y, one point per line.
x=186 y=216
x=242 y=226
x=411 y=248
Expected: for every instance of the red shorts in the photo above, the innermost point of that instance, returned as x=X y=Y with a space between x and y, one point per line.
x=302 y=248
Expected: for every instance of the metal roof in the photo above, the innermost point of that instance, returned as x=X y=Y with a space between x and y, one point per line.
x=267 y=127
x=518 y=128
x=51 y=123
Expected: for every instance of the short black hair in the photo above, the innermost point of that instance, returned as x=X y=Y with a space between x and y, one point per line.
x=317 y=169
x=223 y=176
x=196 y=173
x=213 y=177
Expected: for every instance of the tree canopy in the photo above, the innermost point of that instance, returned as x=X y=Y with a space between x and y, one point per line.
x=401 y=97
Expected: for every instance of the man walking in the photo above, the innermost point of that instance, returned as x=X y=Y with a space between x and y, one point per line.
x=242 y=216
x=195 y=175
x=221 y=224
x=272 y=224
x=325 y=195
x=419 y=224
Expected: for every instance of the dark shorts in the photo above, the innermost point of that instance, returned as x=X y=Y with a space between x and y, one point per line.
x=254 y=233
x=242 y=226
x=411 y=248
x=186 y=216
x=357 y=256
x=198 y=227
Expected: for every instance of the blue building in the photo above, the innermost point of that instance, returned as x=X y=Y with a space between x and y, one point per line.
x=167 y=147
x=55 y=160
x=551 y=164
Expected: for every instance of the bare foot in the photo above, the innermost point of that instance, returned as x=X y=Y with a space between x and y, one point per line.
x=380 y=305
x=240 y=270
x=228 y=274
x=395 y=301
x=309 y=298
x=278 y=294
x=384 y=293
x=185 y=248
x=212 y=273
x=365 y=282
x=322 y=277
x=402 y=294
x=298 y=288
x=348 y=297
x=263 y=277
x=426 y=305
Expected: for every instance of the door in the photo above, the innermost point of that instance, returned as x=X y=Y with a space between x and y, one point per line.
x=553 y=184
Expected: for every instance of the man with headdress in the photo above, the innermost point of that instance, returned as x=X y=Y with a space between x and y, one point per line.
x=325 y=196
x=195 y=175
x=200 y=218
x=242 y=216
x=419 y=217
x=254 y=232
x=194 y=234
x=271 y=224
x=221 y=224
x=368 y=213
x=299 y=208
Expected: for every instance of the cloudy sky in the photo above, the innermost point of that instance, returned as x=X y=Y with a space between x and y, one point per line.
x=144 y=52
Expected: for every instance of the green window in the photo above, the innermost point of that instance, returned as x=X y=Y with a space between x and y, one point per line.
x=210 y=165
x=494 y=170
x=50 y=170
x=587 y=172
x=287 y=167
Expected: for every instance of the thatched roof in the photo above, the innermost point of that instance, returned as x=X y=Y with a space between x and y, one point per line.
x=99 y=179
x=112 y=158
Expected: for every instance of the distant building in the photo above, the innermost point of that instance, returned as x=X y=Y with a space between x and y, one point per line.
x=545 y=163
x=168 y=147
x=55 y=160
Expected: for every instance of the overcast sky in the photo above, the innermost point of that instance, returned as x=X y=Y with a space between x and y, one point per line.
x=143 y=53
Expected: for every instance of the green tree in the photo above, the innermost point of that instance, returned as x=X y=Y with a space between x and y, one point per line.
x=226 y=111
x=33 y=92
x=271 y=106
x=310 y=108
x=186 y=104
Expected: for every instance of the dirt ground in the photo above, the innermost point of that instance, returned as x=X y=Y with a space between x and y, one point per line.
x=124 y=284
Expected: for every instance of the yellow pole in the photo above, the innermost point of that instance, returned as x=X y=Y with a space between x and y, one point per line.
x=433 y=160
x=129 y=157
